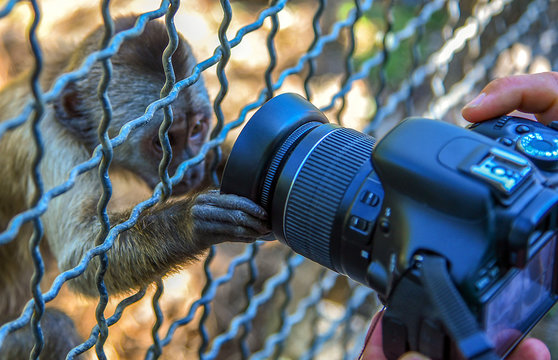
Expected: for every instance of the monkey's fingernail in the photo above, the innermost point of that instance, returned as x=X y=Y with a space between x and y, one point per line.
x=476 y=101
x=263 y=215
x=267 y=237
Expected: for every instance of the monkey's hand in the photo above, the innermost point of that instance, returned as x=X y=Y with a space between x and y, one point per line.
x=226 y=217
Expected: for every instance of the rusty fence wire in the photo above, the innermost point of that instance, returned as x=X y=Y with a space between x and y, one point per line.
x=430 y=57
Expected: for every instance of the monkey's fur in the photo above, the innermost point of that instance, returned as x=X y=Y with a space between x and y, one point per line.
x=166 y=236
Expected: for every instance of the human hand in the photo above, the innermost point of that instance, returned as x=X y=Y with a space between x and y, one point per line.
x=528 y=349
x=535 y=94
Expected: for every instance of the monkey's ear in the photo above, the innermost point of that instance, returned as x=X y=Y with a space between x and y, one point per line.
x=71 y=111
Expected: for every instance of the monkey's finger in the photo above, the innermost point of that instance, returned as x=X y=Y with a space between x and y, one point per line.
x=536 y=94
x=232 y=202
x=219 y=232
x=212 y=213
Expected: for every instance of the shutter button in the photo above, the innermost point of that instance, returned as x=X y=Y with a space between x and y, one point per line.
x=522 y=129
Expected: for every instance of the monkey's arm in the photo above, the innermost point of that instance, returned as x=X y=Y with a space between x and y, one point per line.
x=166 y=237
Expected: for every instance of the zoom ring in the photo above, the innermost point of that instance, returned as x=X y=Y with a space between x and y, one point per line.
x=318 y=190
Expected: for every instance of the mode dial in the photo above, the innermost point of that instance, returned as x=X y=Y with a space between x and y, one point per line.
x=541 y=148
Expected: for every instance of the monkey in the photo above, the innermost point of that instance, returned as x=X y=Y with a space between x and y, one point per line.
x=166 y=237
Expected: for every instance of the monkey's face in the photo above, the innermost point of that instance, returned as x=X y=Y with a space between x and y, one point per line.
x=142 y=152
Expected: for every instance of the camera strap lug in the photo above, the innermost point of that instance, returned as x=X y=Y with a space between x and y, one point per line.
x=435 y=302
x=456 y=317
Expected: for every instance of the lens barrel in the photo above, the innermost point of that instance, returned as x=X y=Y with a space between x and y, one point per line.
x=304 y=171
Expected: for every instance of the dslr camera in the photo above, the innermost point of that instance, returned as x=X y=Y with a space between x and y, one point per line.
x=454 y=228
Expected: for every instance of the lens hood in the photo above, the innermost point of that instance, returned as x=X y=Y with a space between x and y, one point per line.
x=261 y=138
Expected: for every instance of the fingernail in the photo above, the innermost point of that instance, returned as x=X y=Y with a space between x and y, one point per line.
x=476 y=101
x=413 y=356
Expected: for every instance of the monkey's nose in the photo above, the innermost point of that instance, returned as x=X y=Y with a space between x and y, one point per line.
x=191 y=181
x=195 y=176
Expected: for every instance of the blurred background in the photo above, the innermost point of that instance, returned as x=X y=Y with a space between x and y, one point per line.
x=410 y=58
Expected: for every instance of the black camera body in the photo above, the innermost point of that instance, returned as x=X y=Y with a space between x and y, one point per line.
x=480 y=204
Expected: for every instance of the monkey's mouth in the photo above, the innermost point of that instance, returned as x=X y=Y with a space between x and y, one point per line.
x=192 y=181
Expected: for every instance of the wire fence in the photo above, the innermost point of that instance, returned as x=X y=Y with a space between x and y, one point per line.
x=391 y=58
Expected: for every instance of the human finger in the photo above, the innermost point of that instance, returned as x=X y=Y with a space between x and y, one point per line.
x=373 y=349
x=535 y=93
x=530 y=349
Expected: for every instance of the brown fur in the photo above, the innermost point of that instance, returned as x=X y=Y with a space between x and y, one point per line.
x=168 y=235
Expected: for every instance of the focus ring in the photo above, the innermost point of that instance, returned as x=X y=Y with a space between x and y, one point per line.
x=318 y=189
x=278 y=159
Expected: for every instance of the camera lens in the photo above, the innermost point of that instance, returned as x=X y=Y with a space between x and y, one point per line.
x=309 y=175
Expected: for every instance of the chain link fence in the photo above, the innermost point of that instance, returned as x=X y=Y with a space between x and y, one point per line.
x=367 y=64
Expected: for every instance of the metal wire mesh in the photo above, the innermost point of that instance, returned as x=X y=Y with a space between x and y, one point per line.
x=453 y=48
